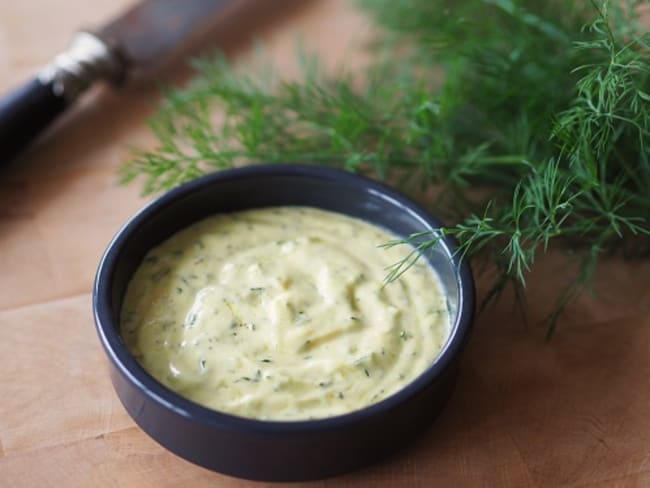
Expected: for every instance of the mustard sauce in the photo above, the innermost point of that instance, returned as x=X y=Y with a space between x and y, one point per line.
x=283 y=314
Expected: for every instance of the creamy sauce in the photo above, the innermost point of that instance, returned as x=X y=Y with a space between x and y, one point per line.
x=282 y=314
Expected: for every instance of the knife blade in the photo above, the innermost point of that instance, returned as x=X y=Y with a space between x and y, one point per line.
x=153 y=29
x=132 y=44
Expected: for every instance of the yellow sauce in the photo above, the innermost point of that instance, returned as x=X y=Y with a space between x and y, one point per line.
x=282 y=314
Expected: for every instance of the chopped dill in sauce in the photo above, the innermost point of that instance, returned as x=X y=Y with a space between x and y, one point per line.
x=282 y=314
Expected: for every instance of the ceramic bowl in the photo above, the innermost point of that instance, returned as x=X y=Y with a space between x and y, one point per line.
x=272 y=450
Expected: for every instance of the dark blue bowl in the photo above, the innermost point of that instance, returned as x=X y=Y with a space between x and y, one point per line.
x=269 y=450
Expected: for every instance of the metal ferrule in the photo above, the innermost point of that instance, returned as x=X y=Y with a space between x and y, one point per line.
x=87 y=59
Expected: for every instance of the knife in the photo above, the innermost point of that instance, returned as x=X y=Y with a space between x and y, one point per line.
x=127 y=47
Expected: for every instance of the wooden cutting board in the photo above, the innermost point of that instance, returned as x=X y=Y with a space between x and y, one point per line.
x=571 y=412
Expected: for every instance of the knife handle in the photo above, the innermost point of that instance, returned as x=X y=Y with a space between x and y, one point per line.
x=24 y=113
x=31 y=108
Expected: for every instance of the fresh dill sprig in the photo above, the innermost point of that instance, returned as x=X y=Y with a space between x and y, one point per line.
x=530 y=121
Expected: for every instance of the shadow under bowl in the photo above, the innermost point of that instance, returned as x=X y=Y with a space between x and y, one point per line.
x=272 y=450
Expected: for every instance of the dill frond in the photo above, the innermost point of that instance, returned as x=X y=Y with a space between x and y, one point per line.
x=537 y=132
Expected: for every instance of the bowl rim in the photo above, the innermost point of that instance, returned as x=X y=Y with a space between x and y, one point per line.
x=116 y=350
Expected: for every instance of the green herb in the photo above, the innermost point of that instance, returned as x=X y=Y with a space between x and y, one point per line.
x=160 y=274
x=377 y=395
x=255 y=379
x=533 y=128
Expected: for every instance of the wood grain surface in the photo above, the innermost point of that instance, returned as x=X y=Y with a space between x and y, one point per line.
x=526 y=412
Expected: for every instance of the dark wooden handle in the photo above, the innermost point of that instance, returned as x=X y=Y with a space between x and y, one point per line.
x=24 y=113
